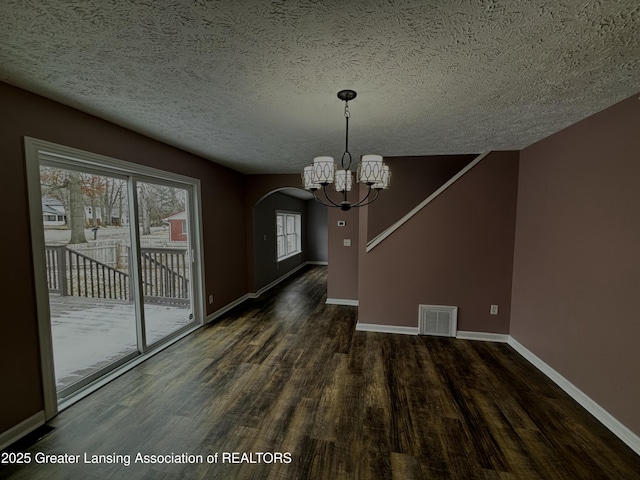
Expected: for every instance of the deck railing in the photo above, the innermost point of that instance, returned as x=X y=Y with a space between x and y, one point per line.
x=70 y=273
x=165 y=275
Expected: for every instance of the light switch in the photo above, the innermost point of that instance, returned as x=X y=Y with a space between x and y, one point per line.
x=346 y=242
x=494 y=310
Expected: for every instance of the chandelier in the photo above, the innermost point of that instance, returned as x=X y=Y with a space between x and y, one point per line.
x=371 y=171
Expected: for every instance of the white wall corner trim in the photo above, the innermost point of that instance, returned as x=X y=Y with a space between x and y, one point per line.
x=342 y=301
x=608 y=420
x=374 y=327
x=20 y=430
x=483 y=336
x=378 y=239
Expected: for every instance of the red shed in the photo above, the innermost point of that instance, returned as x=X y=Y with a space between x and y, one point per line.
x=178 y=226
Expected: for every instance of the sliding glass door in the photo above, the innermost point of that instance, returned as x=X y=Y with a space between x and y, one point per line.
x=87 y=251
x=165 y=259
x=117 y=265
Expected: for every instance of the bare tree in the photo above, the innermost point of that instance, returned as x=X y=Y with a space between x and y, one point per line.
x=115 y=197
x=66 y=186
x=93 y=190
x=144 y=205
x=76 y=208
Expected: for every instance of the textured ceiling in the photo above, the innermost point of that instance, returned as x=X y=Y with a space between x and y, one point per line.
x=252 y=84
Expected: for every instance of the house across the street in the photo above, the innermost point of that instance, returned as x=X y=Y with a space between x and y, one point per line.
x=178 y=226
x=53 y=213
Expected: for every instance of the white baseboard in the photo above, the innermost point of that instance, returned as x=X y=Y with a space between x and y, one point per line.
x=20 y=430
x=604 y=417
x=316 y=262
x=342 y=301
x=608 y=420
x=483 y=336
x=277 y=281
x=221 y=311
x=374 y=327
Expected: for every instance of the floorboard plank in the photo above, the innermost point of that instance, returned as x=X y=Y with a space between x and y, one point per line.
x=288 y=373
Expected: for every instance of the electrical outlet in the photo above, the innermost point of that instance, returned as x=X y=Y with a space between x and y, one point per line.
x=210 y=299
x=494 y=310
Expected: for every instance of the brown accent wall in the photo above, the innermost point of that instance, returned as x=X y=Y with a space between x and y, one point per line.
x=412 y=180
x=342 y=271
x=25 y=114
x=458 y=250
x=577 y=257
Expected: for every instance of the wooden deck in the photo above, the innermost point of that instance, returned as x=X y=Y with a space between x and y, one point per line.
x=286 y=373
x=91 y=333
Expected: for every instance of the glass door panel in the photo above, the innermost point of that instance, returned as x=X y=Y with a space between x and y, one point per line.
x=165 y=260
x=88 y=254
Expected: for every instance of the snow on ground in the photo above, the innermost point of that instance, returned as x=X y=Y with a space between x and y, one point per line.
x=90 y=333
x=159 y=236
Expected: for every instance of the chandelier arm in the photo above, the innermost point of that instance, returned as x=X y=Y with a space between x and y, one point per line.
x=333 y=204
x=361 y=202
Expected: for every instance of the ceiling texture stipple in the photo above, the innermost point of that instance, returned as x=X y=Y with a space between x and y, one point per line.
x=252 y=84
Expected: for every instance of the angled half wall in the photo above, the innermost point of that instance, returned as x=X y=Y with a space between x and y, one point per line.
x=457 y=250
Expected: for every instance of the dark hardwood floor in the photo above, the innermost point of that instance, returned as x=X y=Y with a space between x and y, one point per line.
x=288 y=374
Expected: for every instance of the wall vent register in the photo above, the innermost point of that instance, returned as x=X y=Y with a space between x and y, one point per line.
x=439 y=320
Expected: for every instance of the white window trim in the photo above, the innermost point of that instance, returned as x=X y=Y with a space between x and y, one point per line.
x=298 y=223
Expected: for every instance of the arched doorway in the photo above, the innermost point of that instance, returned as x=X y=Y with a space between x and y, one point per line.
x=289 y=231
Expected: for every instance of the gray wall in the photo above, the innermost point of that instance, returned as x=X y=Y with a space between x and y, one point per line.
x=317 y=232
x=267 y=268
